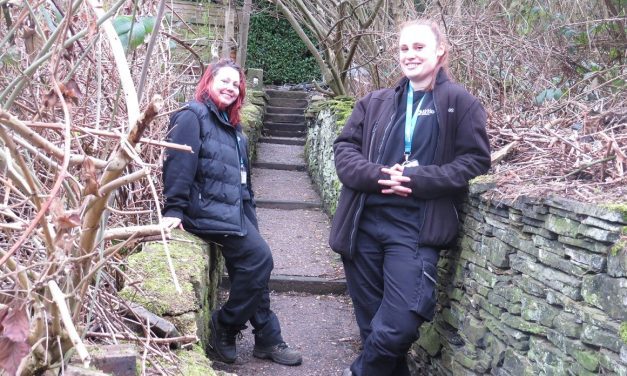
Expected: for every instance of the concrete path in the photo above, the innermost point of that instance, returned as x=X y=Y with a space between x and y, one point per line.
x=309 y=291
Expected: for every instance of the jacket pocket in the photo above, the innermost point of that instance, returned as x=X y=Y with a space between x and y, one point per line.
x=441 y=223
x=425 y=293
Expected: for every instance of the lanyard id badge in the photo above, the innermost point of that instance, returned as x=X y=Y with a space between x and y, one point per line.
x=411 y=118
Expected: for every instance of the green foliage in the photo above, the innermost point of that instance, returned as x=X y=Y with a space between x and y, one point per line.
x=623 y=331
x=276 y=48
x=137 y=30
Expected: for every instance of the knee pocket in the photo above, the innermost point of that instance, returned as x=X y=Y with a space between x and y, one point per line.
x=425 y=292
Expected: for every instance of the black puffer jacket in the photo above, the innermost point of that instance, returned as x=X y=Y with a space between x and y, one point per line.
x=203 y=188
x=462 y=152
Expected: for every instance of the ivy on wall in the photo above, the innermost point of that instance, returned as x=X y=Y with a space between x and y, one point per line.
x=274 y=47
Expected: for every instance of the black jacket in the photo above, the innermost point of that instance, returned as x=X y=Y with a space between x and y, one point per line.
x=203 y=188
x=462 y=153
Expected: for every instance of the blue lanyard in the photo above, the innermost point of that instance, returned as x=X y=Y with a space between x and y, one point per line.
x=410 y=119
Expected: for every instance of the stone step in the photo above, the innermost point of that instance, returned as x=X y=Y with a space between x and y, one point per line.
x=295 y=283
x=281 y=154
x=299 y=243
x=282 y=188
x=283 y=110
x=285 y=102
x=273 y=126
x=284 y=118
x=284 y=134
x=283 y=140
x=280 y=166
x=288 y=205
x=291 y=94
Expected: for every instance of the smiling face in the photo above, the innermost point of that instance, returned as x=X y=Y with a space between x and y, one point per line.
x=225 y=87
x=418 y=54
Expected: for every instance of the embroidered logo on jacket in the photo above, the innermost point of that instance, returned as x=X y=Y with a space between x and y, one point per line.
x=451 y=109
x=425 y=112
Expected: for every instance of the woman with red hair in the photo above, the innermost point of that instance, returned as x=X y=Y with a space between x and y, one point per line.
x=208 y=193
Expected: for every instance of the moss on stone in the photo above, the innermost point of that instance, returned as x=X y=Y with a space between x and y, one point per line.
x=194 y=363
x=617 y=247
x=623 y=331
x=151 y=267
x=589 y=360
x=620 y=207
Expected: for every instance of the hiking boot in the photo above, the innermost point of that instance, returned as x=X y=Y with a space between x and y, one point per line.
x=223 y=340
x=280 y=353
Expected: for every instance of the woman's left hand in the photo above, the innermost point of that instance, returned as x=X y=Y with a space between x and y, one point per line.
x=393 y=185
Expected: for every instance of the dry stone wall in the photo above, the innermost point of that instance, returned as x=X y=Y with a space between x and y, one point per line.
x=535 y=286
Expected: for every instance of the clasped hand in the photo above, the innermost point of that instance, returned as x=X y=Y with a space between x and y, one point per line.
x=394 y=185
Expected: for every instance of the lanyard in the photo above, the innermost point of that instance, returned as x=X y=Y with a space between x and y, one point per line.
x=410 y=119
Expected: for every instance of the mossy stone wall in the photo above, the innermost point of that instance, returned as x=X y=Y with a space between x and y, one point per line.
x=535 y=286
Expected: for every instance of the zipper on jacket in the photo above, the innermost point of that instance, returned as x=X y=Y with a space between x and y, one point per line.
x=435 y=152
x=241 y=194
x=362 y=198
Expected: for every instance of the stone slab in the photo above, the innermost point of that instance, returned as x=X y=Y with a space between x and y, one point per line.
x=282 y=185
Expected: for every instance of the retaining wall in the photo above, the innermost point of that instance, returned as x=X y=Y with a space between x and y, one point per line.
x=534 y=286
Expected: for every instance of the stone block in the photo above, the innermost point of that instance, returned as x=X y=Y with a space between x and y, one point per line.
x=484 y=276
x=474 y=330
x=491 y=309
x=496 y=348
x=567 y=324
x=568 y=285
x=613 y=362
x=596 y=336
x=605 y=225
x=512 y=337
x=617 y=260
x=605 y=213
x=537 y=310
x=118 y=360
x=499 y=252
x=555 y=261
x=429 y=339
x=539 y=231
x=606 y=293
x=251 y=75
x=518 y=323
x=584 y=243
x=546 y=358
x=587 y=260
x=516 y=363
x=531 y=286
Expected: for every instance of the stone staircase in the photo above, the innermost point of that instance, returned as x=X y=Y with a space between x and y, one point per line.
x=289 y=208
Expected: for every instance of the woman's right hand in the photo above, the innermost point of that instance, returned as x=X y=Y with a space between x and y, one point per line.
x=171 y=222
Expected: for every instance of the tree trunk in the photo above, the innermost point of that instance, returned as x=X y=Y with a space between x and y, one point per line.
x=243 y=33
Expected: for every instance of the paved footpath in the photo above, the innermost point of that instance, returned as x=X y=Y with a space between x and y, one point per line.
x=309 y=293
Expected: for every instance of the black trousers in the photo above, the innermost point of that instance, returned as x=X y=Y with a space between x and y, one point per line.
x=392 y=284
x=249 y=262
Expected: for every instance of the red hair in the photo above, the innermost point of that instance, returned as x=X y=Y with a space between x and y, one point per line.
x=440 y=41
x=203 y=90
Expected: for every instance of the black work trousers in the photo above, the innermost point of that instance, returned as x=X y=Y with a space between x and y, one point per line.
x=249 y=262
x=391 y=281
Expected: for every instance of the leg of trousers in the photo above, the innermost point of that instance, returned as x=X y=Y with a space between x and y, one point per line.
x=384 y=281
x=249 y=262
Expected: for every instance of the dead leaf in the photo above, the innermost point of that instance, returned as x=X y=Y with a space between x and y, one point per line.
x=89 y=177
x=71 y=91
x=11 y=354
x=50 y=99
x=16 y=324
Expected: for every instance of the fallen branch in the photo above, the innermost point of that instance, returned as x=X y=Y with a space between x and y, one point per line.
x=128 y=337
x=497 y=156
x=59 y=299
x=139 y=231
x=586 y=166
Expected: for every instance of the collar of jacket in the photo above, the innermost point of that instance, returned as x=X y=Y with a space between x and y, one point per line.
x=440 y=78
x=214 y=108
